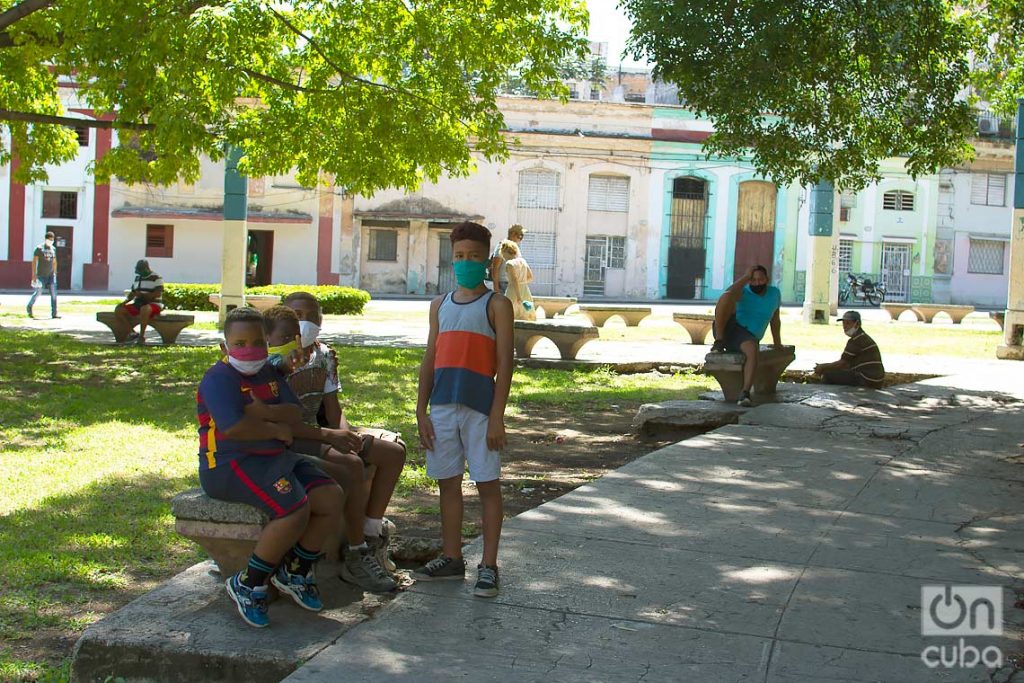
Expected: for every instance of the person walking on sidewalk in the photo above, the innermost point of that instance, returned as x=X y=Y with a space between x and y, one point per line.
x=861 y=363
x=44 y=274
x=742 y=315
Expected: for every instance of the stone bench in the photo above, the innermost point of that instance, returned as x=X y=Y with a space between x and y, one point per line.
x=599 y=315
x=697 y=325
x=896 y=310
x=999 y=317
x=228 y=531
x=727 y=369
x=554 y=305
x=168 y=325
x=260 y=302
x=928 y=311
x=568 y=337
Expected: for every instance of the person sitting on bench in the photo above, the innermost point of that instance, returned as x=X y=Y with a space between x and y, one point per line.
x=861 y=363
x=144 y=301
x=742 y=315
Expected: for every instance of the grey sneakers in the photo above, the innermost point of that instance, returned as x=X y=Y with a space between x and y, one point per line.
x=442 y=568
x=381 y=546
x=362 y=569
x=486 y=581
x=745 y=401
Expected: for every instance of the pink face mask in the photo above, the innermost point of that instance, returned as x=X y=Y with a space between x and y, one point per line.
x=248 y=360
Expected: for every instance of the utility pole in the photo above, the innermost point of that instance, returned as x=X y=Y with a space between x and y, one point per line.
x=236 y=235
x=1013 y=325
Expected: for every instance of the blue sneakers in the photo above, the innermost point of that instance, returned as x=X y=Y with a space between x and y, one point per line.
x=301 y=589
x=251 y=602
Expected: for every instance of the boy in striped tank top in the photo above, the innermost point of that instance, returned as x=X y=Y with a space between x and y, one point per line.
x=465 y=379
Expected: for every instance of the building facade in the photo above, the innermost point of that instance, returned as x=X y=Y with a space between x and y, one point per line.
x=618 y=199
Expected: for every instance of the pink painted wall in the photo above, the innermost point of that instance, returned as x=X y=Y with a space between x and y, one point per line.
x=977 y=289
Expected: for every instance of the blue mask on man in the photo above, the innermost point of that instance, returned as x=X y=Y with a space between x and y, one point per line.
x=470 y=274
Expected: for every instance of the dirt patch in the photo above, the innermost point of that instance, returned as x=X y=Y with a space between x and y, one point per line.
x=551 y=451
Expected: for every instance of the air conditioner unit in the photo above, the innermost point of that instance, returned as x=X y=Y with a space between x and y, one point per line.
x=987 y=127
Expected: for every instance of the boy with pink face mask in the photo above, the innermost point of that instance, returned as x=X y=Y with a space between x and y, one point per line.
x=247 y=419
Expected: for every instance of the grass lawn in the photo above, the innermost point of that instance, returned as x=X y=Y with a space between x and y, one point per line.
x=98 y=439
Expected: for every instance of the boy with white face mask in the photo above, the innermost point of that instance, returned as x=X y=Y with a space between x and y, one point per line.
x=318 y=393
x=44 y=274
x=248 y=417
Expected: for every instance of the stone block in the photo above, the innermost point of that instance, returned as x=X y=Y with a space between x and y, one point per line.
x=727 y=369
x=554 y=305
x=568 y=337
x=167 y=325
x=698 y=415
x=697 y=325
x=599 y=315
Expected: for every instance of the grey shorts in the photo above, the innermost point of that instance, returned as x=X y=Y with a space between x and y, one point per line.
x=460 y=438
x=735 y=335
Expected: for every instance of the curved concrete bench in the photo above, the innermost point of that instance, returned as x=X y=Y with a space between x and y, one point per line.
x=260 y=302
x=697 y=325
x=168 y=325
x=727 y=368
x=229 y=531
x=554 y=305
x=568 y=337
x=896 y=310
x=999 y=317
x=599 y=315
x=928 y=311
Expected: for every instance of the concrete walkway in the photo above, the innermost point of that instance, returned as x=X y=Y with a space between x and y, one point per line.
x=791 y=547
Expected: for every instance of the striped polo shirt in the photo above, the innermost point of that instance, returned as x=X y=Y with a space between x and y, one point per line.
x=465 y=354
x=865 y=359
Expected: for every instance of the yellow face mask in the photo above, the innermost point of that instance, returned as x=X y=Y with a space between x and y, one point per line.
x=285 y=349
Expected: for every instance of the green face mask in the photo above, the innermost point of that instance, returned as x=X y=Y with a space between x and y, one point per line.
x=470 y=274
x=284 y=349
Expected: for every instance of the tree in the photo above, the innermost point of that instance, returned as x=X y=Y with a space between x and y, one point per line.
x=824 y=89
x=376 y=94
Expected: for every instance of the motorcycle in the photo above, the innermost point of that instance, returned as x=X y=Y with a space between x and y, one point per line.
x=862 y=289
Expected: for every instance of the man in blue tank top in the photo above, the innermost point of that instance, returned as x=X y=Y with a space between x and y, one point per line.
x=742 y=315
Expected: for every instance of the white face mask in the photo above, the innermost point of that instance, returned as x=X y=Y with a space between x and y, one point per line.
x=852 y=331
x=48 y=243
x=247 y=367
x=309 y=331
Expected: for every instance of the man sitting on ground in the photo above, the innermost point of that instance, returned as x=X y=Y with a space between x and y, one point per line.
x=861 y=363
x=144 y=300
x=742 y=315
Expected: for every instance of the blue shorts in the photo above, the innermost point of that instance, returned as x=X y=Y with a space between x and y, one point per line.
x=277 y=484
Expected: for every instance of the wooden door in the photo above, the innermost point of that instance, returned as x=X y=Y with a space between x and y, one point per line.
x=755 y=227
x=261 y=258
x=63 y=241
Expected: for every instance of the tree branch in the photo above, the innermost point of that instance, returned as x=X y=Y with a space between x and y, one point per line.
x=30 y=117
x=22 y=10
x=259 y=76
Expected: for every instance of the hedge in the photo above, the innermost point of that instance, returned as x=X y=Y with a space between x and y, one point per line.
x=335 y=300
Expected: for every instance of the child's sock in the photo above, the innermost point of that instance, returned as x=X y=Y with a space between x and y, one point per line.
x=256 y=572
x=299 y=560
x=373 y=527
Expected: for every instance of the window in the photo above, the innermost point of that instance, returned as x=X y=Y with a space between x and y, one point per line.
x=616 y=252
x=845 y=256
x=986 y=257
x=60 y=204
x=988 y=189
x=383 y=245
x=538 y=189
x=608 y=193
x=847 y=201
x=159 y=241
x=82 y=133
x=898 y=201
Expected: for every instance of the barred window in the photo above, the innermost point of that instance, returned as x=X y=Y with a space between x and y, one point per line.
x=988 y=189
x=986 y=257
x=845 y=256
x=60 y=204
x=898 y=200
x=159 y=241
x=383 y=245
x=538 y=189
x=616 y=252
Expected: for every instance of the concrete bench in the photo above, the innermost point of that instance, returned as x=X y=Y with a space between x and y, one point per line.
x=928 y=311
x=896 y=310
x=554 y=305
x=697 y=325
x=228 y=531
x=999 y=317
x=599 y=315
x=727 y=369
x=260 y=302
x=168 y=325
x=568 y=337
